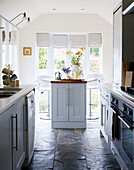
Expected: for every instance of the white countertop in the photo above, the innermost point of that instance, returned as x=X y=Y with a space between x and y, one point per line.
x=7 y=102
x=115 y=91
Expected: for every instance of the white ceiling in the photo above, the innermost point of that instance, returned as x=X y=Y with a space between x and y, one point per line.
x=34 y=8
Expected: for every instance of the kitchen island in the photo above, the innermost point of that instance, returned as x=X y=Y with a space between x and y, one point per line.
x=68 y=105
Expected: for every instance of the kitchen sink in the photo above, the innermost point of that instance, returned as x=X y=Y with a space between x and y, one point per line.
x=10 y=89
x=8 y=92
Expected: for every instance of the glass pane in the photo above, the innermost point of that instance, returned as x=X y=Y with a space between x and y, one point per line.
x=59 y=59
x=95 y=100
x=43 y=61
x=93 y=108
x=43 y=102
x=94 y=60
x=75 y=50
x=127 y=140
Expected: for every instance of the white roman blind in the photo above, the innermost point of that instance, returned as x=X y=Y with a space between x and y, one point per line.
x=78 y=41
x=60 y=41
x=94 y=40
x=43 y=39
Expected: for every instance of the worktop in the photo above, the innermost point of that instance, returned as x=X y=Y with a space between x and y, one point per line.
x=69 y=81
x=115 y=91
x=7 y=102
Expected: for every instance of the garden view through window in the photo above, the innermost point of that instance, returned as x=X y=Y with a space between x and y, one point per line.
x=60 y=60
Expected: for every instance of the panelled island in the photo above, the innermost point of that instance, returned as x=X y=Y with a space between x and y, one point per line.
x=68 y=103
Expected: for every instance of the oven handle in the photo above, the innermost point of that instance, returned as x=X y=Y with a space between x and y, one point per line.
x=124 y=122
x=112 y=109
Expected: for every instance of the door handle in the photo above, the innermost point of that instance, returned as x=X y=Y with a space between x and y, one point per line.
x=15 y=117
x=124 y=122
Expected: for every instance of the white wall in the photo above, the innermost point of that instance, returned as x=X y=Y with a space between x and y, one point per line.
x=63 y=23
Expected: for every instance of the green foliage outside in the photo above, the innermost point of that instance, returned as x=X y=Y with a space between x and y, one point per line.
x=43 y=58
x=59 y=64
x=43 y=102
x=95 y=100
x=94 y=51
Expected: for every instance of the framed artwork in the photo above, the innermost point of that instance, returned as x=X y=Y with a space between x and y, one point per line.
x=27 y=51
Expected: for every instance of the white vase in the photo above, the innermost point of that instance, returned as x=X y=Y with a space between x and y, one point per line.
x=75 y=68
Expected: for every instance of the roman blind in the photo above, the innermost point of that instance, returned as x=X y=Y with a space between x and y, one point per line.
x=60 y=41
x=43 y=39
x=94 y=40
x=78 y=41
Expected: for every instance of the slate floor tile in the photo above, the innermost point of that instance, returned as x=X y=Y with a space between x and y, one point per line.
x=71 y=149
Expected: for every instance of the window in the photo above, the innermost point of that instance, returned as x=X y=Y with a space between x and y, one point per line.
x=43 y=61
x=94 y=60
x=53 y=55
x=59 y=58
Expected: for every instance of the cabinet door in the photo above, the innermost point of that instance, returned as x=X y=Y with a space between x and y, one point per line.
x=5 y=141
x=104 y=113
x=77 y=102
x=60 y=102
x=18 y=134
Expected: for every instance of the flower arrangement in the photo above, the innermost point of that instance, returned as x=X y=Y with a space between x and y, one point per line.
x=75 y=58
x=66 y=70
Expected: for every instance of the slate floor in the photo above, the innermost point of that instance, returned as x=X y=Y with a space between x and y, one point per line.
x=61 y=149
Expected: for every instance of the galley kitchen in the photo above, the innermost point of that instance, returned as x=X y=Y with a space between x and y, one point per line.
x=66 y=85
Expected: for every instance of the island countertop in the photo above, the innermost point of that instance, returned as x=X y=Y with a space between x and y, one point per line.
x=7 y=102
x=69 y=81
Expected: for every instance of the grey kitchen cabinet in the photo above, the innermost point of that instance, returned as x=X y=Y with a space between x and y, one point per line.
x=77 y=103
x=104 y=107
x=18 y=134
x=60 y=102
x=6 y=140
x=68 y=105
x=12 y=153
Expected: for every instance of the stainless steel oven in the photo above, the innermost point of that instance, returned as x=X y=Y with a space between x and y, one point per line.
x=114 y=121
x=122 y=129
x=127 y=134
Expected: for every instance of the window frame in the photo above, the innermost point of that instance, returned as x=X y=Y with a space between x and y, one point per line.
x=86 y=67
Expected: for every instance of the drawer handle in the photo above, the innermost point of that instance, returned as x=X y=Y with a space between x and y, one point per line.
x=15 y=117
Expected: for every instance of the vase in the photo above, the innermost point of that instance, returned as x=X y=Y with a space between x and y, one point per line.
x=66 y=75
x=75 y=68
x=75 y=71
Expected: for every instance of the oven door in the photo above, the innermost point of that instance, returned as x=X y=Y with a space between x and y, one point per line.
x=114 y=124
x=127 y=140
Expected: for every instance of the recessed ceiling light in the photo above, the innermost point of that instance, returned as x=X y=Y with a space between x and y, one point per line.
x=82 y=9
x=54 y=9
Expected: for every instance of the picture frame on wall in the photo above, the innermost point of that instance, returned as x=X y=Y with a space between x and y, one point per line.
x=27 y=51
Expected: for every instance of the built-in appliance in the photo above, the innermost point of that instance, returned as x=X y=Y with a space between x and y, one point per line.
x=29 y=127
x=123 y=129
x=114 y=123
x=127 y=92
x=129 y=9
